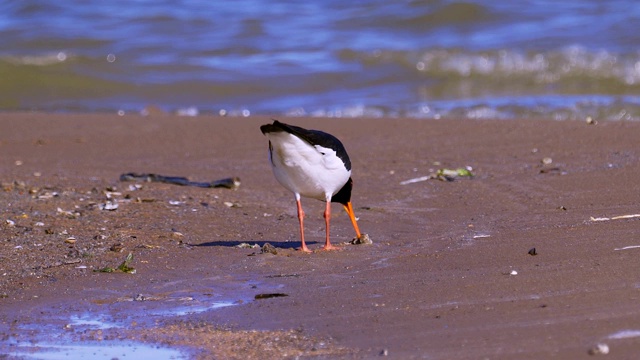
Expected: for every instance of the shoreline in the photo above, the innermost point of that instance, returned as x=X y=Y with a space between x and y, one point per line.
x=438 y=280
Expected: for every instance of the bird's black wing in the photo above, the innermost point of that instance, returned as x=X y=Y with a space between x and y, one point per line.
x=313 y=137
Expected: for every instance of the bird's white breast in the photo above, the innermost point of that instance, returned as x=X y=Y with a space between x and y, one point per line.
x=309 y=170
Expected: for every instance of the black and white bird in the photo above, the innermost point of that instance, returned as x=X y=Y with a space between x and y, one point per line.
x=312 y=164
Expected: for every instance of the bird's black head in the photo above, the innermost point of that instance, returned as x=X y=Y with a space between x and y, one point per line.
x=344 y=195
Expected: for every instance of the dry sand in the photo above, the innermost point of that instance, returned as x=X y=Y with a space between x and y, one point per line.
x=448 y=276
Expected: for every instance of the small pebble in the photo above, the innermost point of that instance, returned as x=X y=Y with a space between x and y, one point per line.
x=513 y=272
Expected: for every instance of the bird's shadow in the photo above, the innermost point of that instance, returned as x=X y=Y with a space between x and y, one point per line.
x=235 y=243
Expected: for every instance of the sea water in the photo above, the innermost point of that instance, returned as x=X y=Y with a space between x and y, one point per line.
x=426 y=59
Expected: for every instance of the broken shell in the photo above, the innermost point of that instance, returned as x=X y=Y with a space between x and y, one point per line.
x=47 y=195
x=362 y=239
x=117 y=247
x=134 y=187
x=109 y=206
x=248 y=246
x=547 y=161
x=70 y=240
x=11 y=223
x=268 y=248
x=599 y=349
x=68 y=214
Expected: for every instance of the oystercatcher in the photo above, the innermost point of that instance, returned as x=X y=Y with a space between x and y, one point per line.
x=312 y=164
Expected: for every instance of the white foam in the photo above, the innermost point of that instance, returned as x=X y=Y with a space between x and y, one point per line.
x=625 y=334
x=102 y=350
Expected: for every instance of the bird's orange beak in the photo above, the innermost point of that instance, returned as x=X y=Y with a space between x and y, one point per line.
x=352 y=216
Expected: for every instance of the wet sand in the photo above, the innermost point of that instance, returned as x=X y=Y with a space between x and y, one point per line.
x=449 y=274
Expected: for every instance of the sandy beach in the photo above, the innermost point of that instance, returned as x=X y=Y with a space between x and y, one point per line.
x=533 y=257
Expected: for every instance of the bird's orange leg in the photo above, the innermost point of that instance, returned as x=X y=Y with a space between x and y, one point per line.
x=327 y=217
x=301 y=220
x=352 y=216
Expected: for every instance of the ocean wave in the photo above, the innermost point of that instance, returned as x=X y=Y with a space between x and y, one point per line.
x=604 y=70
x=610 y=108
x=419 y=16
x=568 y=83
x=572 y=63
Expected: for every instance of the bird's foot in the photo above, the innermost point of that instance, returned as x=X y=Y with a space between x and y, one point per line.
x=305 y=249
x=330 y=248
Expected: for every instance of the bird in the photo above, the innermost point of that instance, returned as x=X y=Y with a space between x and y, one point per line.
x=312 y=164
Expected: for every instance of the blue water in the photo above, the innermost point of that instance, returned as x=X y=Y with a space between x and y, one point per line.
x=426 y=59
